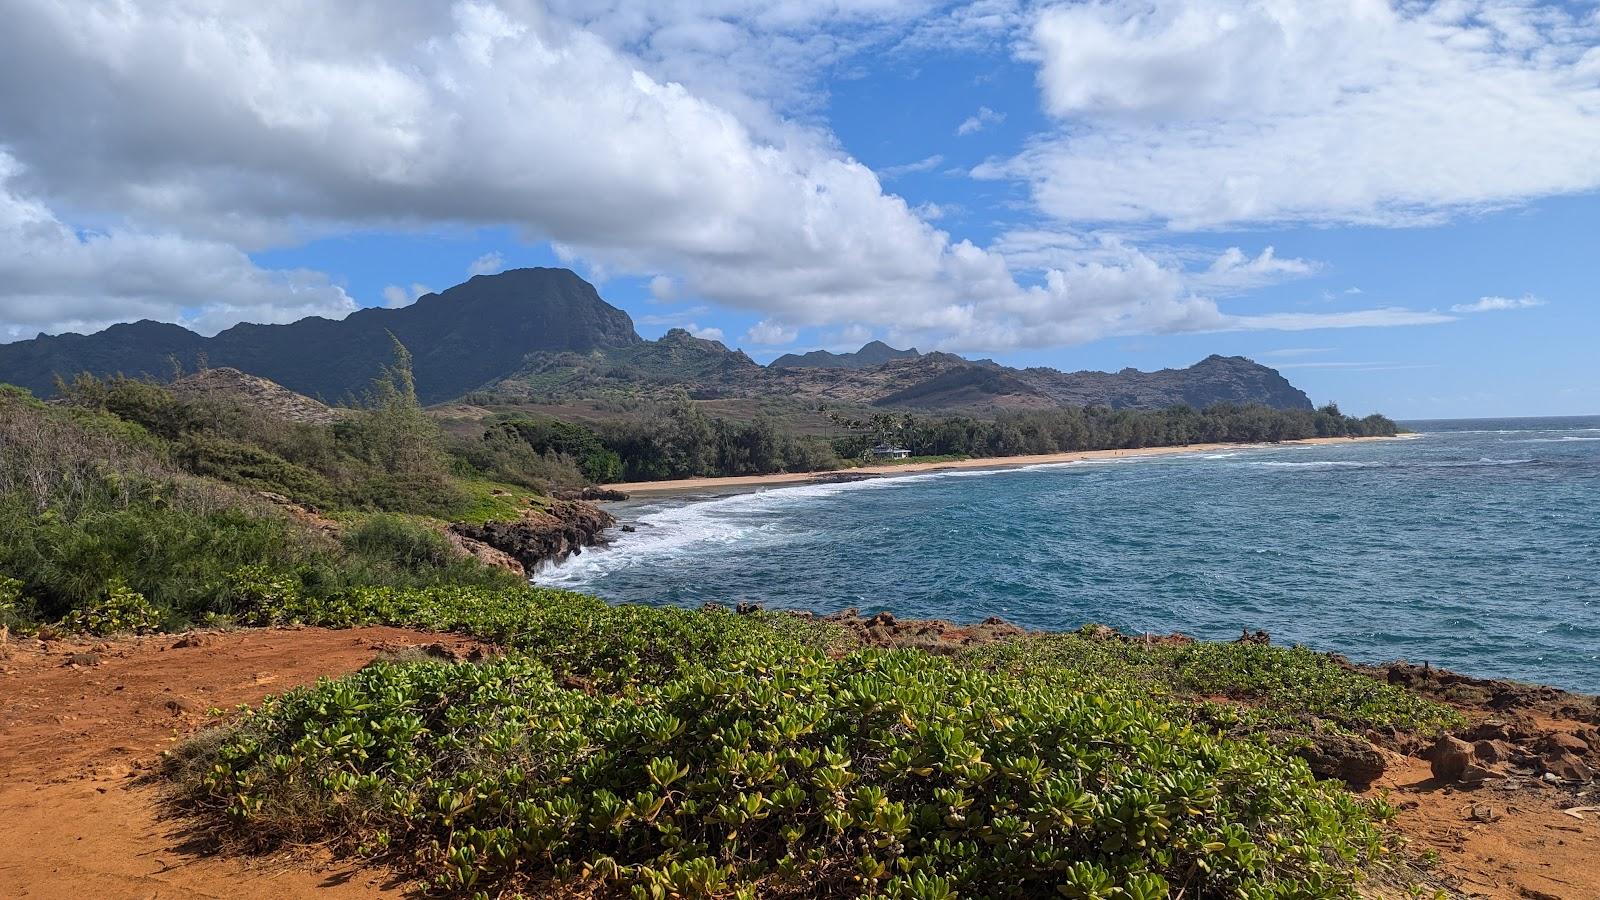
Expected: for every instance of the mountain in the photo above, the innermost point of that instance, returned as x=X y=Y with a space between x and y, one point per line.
x=459 y=340
x=1215 y=379
x=543 y=335
x=869 y=356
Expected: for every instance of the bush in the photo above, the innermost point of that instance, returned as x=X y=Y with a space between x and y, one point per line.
x=680 y=753
x=122 y=610
x=400 y=542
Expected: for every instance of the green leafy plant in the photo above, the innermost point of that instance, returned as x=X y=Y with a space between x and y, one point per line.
x=673 y=753
x=122 y=610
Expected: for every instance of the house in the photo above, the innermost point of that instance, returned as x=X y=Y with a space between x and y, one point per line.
x=884 y=451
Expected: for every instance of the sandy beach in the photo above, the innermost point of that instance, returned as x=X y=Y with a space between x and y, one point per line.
x=683 y=485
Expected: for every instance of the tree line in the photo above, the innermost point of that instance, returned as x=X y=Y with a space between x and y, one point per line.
x=679 y=440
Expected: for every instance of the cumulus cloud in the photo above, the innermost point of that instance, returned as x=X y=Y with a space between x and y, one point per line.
x=395 y=296
x=710 y=334
x=978 y=121
x=487 y=264
x=1498 y=304
x=663 y=289
x=1210 y=113
x=769 y=333
x=55 y=278
x=1234 y=270
x=607 y=129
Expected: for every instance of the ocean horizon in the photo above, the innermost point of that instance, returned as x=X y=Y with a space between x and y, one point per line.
x=1472 y=545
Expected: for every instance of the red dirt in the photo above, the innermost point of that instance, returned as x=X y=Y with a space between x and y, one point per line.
x=74 y=739
x=1528 y=850
x=78 y=822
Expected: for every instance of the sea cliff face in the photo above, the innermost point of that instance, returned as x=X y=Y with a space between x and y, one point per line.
x=543 y=536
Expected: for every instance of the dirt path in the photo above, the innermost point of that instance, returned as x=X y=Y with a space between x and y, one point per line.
x=75 y=819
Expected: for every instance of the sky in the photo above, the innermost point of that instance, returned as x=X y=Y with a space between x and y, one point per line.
x=1397 y=205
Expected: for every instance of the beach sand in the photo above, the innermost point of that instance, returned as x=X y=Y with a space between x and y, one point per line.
x=688 y=485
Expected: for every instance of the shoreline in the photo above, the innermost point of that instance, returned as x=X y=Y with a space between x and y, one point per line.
x=711 y=483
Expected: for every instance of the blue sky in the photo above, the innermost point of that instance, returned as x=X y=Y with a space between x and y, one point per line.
x=1395 y=206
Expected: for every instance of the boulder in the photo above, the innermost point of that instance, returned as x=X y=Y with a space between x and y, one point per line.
x=1448 y=758
x=1562 y=742
x=1349 y=759
x=1566 y=766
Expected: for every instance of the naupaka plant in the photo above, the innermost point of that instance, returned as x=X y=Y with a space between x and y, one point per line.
x=667 y=753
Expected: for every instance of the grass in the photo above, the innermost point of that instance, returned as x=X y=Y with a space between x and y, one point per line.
x=671 y=753
x=495 y=501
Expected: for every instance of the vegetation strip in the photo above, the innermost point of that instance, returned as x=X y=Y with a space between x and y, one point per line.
x=675 y=753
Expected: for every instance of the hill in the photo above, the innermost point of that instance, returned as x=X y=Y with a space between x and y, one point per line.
x=459 y=339
x=873 y=354
x=546 y=336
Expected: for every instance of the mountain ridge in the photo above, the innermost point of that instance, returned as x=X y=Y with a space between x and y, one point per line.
x=871 y=354
x=542 y=333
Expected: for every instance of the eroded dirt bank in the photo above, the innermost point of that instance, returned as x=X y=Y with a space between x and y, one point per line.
x=81 y=722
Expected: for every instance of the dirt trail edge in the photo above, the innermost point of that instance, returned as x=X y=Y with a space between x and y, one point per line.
x=79 y=723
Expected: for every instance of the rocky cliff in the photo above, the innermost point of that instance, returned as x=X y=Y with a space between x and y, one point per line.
x=564 y=529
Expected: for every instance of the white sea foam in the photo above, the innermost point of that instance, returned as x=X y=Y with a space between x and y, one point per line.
x=752 y=519
x=1321 y=464
x=742 y=520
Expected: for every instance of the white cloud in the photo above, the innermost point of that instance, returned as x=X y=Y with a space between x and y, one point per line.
x=663 y=289
x=710 y=334
x=1359 y=366
x=980 y=120
x=1298 y=351
x=672 y=318
x=54 y=278
x=926 y=164
x=770 y=333
x=609 y=129
x=487 y=264
x=1206 y=113
x=1498 y=304
x=1388 y=317
x=1234 y=270
x=395 y=296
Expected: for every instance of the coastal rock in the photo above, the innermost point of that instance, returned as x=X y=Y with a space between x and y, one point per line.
x=1349 y=759
x=542 y=536
x=592 y=494
x=1448 y=758
x=485 y=553
x=1563 y=742
x=1476 y=773
x=1567 y=766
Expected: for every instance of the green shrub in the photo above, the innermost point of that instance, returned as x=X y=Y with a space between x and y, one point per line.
x=16 y=609
x=676 y=753
x=251 y=466
x=1282 y=685
x=121 y=610
x=400 y=542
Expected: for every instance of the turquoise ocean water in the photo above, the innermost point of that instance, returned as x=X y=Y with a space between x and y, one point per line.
x=1474 y=546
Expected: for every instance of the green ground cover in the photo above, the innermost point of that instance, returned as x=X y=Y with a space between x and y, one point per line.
x=674 y=753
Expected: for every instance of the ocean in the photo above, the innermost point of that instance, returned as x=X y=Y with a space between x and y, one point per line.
x=1474 y=545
